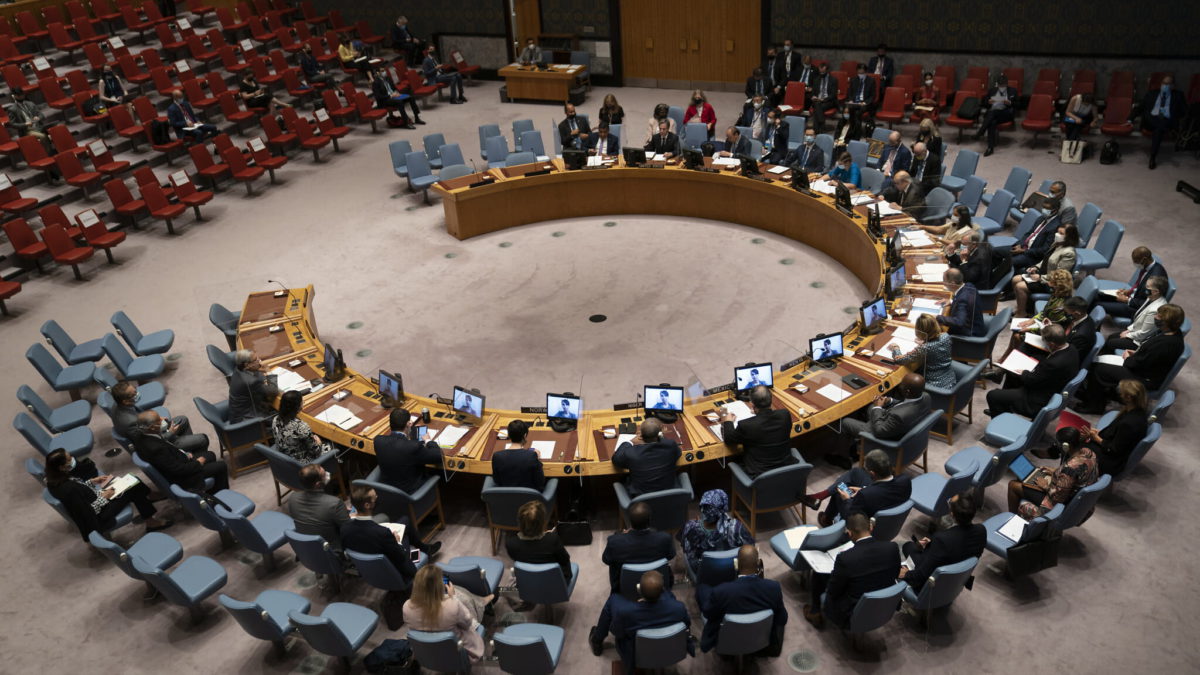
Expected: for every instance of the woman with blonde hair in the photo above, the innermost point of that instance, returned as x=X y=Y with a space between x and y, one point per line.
x=1114 y=443
x=1062 y=286
x=611 y=111
x=933 y=347
x=701 y=108
x=437 y=605
x=928 y=134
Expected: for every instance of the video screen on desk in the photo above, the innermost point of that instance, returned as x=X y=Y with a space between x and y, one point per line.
x=896 y=278
x=467 y=402
x=390 y=387
x=874 y=313
x=563 y=407
x=828 y=347
x=329 y=362
x=664 y=398
x=749 y=377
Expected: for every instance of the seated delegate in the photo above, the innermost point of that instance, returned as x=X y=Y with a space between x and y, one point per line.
x=90 y=504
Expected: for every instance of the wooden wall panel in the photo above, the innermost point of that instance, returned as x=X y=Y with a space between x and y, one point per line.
x=688 y=39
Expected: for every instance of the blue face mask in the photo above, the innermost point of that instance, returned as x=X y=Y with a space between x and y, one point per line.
x=1047 y=212
x=1165 y=88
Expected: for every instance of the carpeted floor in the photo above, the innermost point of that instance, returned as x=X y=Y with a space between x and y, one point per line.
x=684 y=300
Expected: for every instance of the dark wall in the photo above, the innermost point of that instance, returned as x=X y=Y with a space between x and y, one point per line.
x=482 y=17
x=570 y=16
x=1090 y=28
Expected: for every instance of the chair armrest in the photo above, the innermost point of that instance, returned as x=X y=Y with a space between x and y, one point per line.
x=685 y=483
x=488 y=483
x=623 y=499
x=244 y=424
x=740 y=474
x=971 y=339
x=423 y=491
x=868 y=437
x=326 y=458
x=550 y=492
x=374 y=476
x=379 y=487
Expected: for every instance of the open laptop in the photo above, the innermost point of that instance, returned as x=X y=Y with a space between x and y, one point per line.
x=1029 y=474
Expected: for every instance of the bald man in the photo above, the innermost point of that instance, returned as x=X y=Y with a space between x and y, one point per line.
x=749 y=592
x=188 y=470
x=890 y=417
x=965 y=316
x=870 y=565
x=655 y=607
x=650 y=459
x=906 y=194
x=894 y=159
x=925 y=167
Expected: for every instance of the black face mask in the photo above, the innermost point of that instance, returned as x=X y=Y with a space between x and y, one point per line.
x=1158 y=324
x=695 y=101
x=571 y=116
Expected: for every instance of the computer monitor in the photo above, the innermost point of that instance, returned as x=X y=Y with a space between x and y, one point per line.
x=633 y=156
x=799 y=177
x=842 y=196
x=573 y=159
x=390 y=387
x=749 y=377
x=668 y=399
x=563 y=407
x=329 y=362
x=749 y=165
x=896 y=279
x=467 y=403
x=692 y=158
x=826 y=348
x=874 y=313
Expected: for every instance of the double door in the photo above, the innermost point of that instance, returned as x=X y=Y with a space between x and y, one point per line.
x=689 y=43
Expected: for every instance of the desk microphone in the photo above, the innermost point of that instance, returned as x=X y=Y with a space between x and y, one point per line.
x=287 y=291
x=472 y=160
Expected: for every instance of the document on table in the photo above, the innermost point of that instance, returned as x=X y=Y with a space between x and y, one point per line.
x=740 y=411
x=779 y=169
x=288 y=380
x=926 y=303
x=1111 y=359
x=397 y=530
x=1110 y=292
x=1018 y=362
x=796 y=535
x=824 y=187
x=624 y=438
x=905 y=347
x=544 y=449
x=918 y=311
x=1013 y=529
x=833 y=393
x=821 y=562
x=886 y=209
x=862 y=198
x=726 y=161
x=451 y=435
x=336 y=414
x=907 y=333
x=932 y=269
x=595 y=160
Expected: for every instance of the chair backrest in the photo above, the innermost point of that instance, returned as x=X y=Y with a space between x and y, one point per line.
x=487 y=131
x=466 y=575
x=314 y=552
x=1018 y=181
x=223 y=319
x=825 y=538
x=1183 y=358
x=199 y=509
x=876 y=608
x=221 y=360
x=965 y=164
x=531 y=141
x=872 y=180
x=34 y=404
x=945 y=583
x=997 y=211
x=253 y=619
x=116 y=352
x=1043 y=417
x=519 y=127
x=542 y=584
x=378 y=571
x=126 y=328
x=322 y=634
x=496 y=148
x=631 y=575
x=972 y=193
x=858 y=153
x=745 y=633
x=399 y=151
x=1041 y=107
x=1109 y=239
x=1153 y=433
x=161 y=581
x=440 y=651
x=418 y=165
x=115 y=553
x=660 y=647
x=939 y=200
x=58 y=337
x=956 y=484
x=433 y=145
x=35 y=469
x=675 y=113
x=33 y=432
x=451 y=154
x=781 y=486
x=888 y=522
x=994 y=469
x=668 y=508
x=717 y=567
x=160 y=482
x=284 y=468
x=1158 y=411
x=522 y=653
x=1028 y=222
x=825 y=143
x=518 y=158
x=1081 y=505
x=695 y=134
x=455 y=171
x=243 y=528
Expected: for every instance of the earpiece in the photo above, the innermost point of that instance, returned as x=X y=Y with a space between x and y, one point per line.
x=639 y=589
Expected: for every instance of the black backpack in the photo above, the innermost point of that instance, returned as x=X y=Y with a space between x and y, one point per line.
x=1110 y=153
x=92 y=106
x=392 y=656
x=159 y=134
x=969 y=109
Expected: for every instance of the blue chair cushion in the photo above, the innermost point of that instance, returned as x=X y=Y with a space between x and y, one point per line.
x=552 y=635
x=493 y=569
x=988 y=225
x=1001 y=241
x=953 y=183
x=356 y=623
x=996 y=542
x=157 y=342
x=150 y=395
x=236 y=502
x=1088 y=259
x=272 y=525
x=92 y=350
x=421 y=182
x=76 y=442
x=277 y=605
x=158 y=549
x=964 y=458
x=909 y=595
x=71 y=415
x=1005 y=429
x=145 y=367
x=74 y=377
x=199 y=577
x=1110 y=285
x=574 y=579
x=926 y=488
x=785 y=552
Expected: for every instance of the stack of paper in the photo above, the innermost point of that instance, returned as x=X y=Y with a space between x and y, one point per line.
x=886 y=209
x=1034 y=340
x=288 y=380
x=916 y=239
x=926 y=303
x=1111 y=359
x=595 y=160
x=833 y=392
x=624 y=438
x=726 y=161
x=918 y=311
x=397 y=530
x=905 y=346
x=740 y=411
x=862 y=198
x=821 y=562
x=1018 y=362
x=824 y=187
x=451 y=435
x=544 y=449
x=907 y=333
x=928 y=270
x=779 y=169
x=1013 y=529
x=336 y=414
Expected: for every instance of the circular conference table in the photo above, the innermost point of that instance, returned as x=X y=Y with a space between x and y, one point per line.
x=281 y=326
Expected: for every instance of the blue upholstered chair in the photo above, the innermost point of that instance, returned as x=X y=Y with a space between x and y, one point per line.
x=663 y=646
x=971 y=194
x=497 y=151
x=77 y=442
x=317 y=555
x=519 y=158
x=424 y=502
x=909 y=448
x=221 y=360
x=675 y=113
x=872 y=180
x=1166 y=383
x=1025 y=225
x=955 y=400
x=399 y=150
x=1086 y=222
x=123 y=517
x=262 y=535
x=941 y=588
x=938 y=204
x=531 y=141
x=433 y=149
x=420 y=175
x=204 y=514
x=631 y=575
x=875 y=609
x=886 y=524
x=285 y=469
x=774 y=490
x=1101 y=256
x=266 y=618
x=160 y=482
x=964 y=165
x=825 y=143
x=989 y=298
x=668 y=508
x=226 y=321
x=440 y=651
x=993 y=219
x=63 y=418
x=339 y=631
x=970 y=349
x=138 y=369
x=1153 y=433
x=519 y=127
x=1080 y=508
x=106 y=403
x=931 y=492
x=858 y=153
x=157 y=549
x=1016 y=183
x=991 y=465
x=142 y=344
x=1008 y=427
x=70 y=379
x=543 y=584
x=487 y=131
x=528 y=648
x=695 y=135
x=451 y=155
x=234 y=438
x=741 y=635
x=824 y=539
x=71 y=351
x=502 y=504
x=188 y=584
x=452 y=171
x=999 y=544
x=478 y=575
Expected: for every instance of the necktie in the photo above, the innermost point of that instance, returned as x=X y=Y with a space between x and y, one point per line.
x=1163 y=108
x=921 y=170
x=879 y=66
x=862 y=85
x=804 y=158
x=887 y=169
x=187 y=114
x=1036 y=231
x=824 y=85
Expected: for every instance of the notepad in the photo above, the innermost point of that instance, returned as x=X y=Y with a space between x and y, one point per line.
x=905 y=346
x=595 y=160
x=1018 y=362
x=796 y=536
x=625 y=438
x=833 y=393
x=397 y=530
x=740 y=411
x=544 y=449
x=1013 y=529
x=886 y=209
x=779 y=169
x=288 y=380
x=918 y=311
x=1036 y=341
x=1111 y=359
x=821 y=562
x=122 y=483
x=908 y=564
x=451 y=435
x=905 y=333
x=1112 y=293
x=343 y=418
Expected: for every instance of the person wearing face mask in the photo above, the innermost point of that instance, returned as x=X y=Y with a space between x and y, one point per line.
x=846 y=171
x=293 y=436
x=1030 y=250
x=442 y=73
x=1078 y=324
x=188 y=470
x=808 y=156
x=894 y=159
x=824 y=89
x=906 y=194
x=91 y=505
x=1162 y=108
x=925 y=100
x=661 y=114
x=925 y=167
x=574 y=130
x=664 y=142
x=1066 y=207
x=928 y=134
x=754 y=115
x=1149 y=363
x=177 y=430
x=971 y=256
x=1061 y=257
x=955 y=231
x=1128 y=301
x=965 y=316
x=859 y=105
x=1115 y=442
x=772 y=68
x=757 y=84
x=787 y=69
x=1142 y=328
x=110 y=88
x=1001 y=101
x=531 y=53
x=882 y=65
x=933 y=349
x=700 y=109
x=775 y=148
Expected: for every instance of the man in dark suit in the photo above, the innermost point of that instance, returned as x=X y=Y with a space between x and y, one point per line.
x=603 y=143
x=925 y=167
x=388 y=97
x=772 y=67
x=1027 y=393
x=757 y=84
x=178 y=430
x=1161 y=111
x=656 y=608
x=860 y=102
x=638 y=544
x=250 y=390
x=888 y=418
x=896 y=157
x=766 y=438
x=824 y=89
x=906 y=194
x=664 y=142
x=650 y=459
x=1081 y=330
x=804 y=77
x=777 y=137
x=808 y=156
x=882 y=65
x=870 y=488
x=402 y=460
x=187 y=470
x=184 y=120
x=953 y=545
x=1029 y=251
x=315 y=511
x=518 y=466
x=736 y=145
x=869 y=565
x=1130 y=300
x=1001 y=104
x=966 y=316
x=749 y=593
x=573 y=131
x=973 y=258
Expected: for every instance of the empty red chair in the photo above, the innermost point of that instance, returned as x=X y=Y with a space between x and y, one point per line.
x=232 y=112
x=122 y=200
x=9 y=53
x=262 y=74
x=1037 y=118
x=947 y=72
x=228 y=23
x=7 y=30
x=282 y=8
x=168 y=41
x=206 y=166
x=366 y=34
x=7 y=290
x=279 y=62
x=153 y=14
x=334 y=106
x=64 y=141
x=308 y=138
x=367 y=112
x=77 y=80
x=298 y=89
x=981 y=73
x=223 y=142
x=158 y=205
x=30 y=26
x=103 y=160
x=88 y=35
x=151 y=59
x=144 y=175
x=905 y=82
x=275 y=136
x=165 y=148
x=15 y=78
x=1116 y=117
x=240 y=170
x=337 y=23
x=187 y=193
x=199 y=51
x=310 y=15
x=1050 y=75
x=1081 y=87
x=960 y=122
x=62 y=39
x=72 y=171
x=24 y=242
x=8 y=147
x=95 y=56
x=976 y=86
x=1120 y=89
x=418 y=86
x=131 y=71
x=195 y=95
x=36 y=156
x=134 y=22
x=216 y=84
x=1046 y=88
x=97 y=234
x=163 y=83
x=79 y=14
x=303 y=33
x=1016 y=78
x=893 y=106
x=54 y=14
x=125 y=126
x=105 y=12
x=287 y=41
x=64 y=251
x=230 y=61
x=100 y=118
x=329 y=128
x=262 y=157
x=263 y=34
x=199 y=9
x=52 y=214
x=326 y=56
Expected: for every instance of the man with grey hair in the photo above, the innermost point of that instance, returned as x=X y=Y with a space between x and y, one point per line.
x=250 y=390
x=125 y=415
x=866 y=489
x=925 y=167
x=1027 y=393
x=188 y=470
x=966 y=316
x=973 y=257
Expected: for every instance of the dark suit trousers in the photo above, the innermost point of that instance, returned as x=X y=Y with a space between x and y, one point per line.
x=1009 y=399
x=1158 y=126
x=1023 y=261
x=819 y=110
x=217 y=471
x=992 y=121
x=1115 y=343
x=1117 y=308
x=856 y=477
x=1102 y=383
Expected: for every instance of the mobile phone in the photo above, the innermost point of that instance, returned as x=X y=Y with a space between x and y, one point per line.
x=419 y=431
x=415 y=555
x=445 y=580
x=842 y=487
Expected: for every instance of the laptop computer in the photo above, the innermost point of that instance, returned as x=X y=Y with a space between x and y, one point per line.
x=1028 y=474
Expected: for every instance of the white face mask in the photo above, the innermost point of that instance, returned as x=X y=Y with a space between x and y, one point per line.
x=928 y=83
x=1059 y=237
x=72 y=465
x=1047 y=212
x=163 y=427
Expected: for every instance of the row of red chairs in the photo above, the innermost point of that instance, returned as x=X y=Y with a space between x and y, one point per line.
x=66 y=243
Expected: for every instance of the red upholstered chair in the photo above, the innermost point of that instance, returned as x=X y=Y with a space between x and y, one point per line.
x=848 y=67
x=160 y=208
x=793 y=97
x=7 y=290
x=11 y=200
x=329 y=128
x=913 y=70
x=261 y=32
x=146 y=112
x=31 y=28
x=35 y=155
x=954 y=120
x=95 y=56
x=100 y=119
x=88 y=35
x=78 y=82
x=199 y=9
x=55 y=97
x=10 y=53
x=336 y=22
x=843 y=80
x=1016 y=78
x=133 y=21
x=52 y=214
x=947 y=72
x=1116 y=117
x=367 y=112
x=233 y=112
x=131 y=71
x=16 y=78
x=168 y=40
x=195 y=95
x=1046 y=88
x=165 y=148
x=145 y=175
x=199 y=51
x=310 y=15
x=125 y=125
x=976 y=86
x=163 y=83
x=334 y=107
x=981 y=73
x=229 y=23
x=367 y=35
x=104 y=11
x=893 y=106
x=1079 y=87
x=907 y=83
x=62 y=39
x=64 y=141
x=230 y=60
x=1037 y=118
x=187 y=193
x=64 y=251
x=1050 y=75
x=467 y=70
x=206 y=166
x=152 y=59
x=103 y=160
x=300 y=126
x=240 y=169
x=8 y=147
x=275 y=136
x=280 y=64
x=97 y=234
x=73 y=172
x=7 y=30
x=122 y=200
x=287 y=41
x=25 y=243
x=263 y=157
x=298 y=89
x=419 y=88
x=258 y=65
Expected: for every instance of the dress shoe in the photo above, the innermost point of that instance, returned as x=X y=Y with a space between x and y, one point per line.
x=1153 y=163
x=161 y=524
x=432 y=549
x=988 y=412
x=811 y=502
x=596 y=641
x=824 y=519
x=462 y=99
x=454 y=101
x=988 y=152
x=813 y=617
x=996 y=376
x=419 y=120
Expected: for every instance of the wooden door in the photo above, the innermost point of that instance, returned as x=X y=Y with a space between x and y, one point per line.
x=689 y=43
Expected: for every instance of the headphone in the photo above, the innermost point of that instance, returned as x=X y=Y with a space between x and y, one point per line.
x=758 y=567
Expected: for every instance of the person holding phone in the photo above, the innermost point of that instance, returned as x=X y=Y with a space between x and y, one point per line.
x=405 y=452
x=438 y=605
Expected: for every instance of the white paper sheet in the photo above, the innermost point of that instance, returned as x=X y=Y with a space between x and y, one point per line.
x=450 y=436
x=122 y=483
x=907 y=333
x=796 y=536
x=726 y=161
x=624 y=438
x=1034 y=340
x=397 y=530
x=833 y=392
x=1111 y=359
x=862 y=198
x=935 y=269
x=914 y=239
x=740 y=410
x=343 y=418
x=595 y=160
x=1013 y=529
x=905 y=347
x=288 y=380
x=544 y=449
x=779 y=169
x=1018 y=362
x=1110 y=292
x=821 y=562
x=886 y=209
x=824 y=187
x=926 y=303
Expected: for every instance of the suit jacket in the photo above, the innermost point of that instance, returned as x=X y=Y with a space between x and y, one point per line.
x=892 y=422
x=630 y=616
x=965 y=317
x=548 y=549
x=927 y=172
x=1082 y=337
x=1138 y=297
x=869 y=565
x=741 y=147
x=866 y=86
x=246 y=392
x=635 y=546
x=1155 y=358
x=880 y=496
x=946 y=547
x=766 y=440
x=316 y=512
x=1046 y=379
x=804 y=74
x=977 y=268
x=810 y=157
x=986 y=104
x=903 y=157
x=1177 y=107
x=518 y=467
x=785 y=71
x=612 y=147
x=773 y=71
x=402 y=460
x=171 y=462
x=176 y=117
x=1119 y=438
x=1040 y=245
x=651 y=466
x=124 y=421
x=1142 y=327
x=779 y=142
x=889 y=68
x=831 y=88
x=362 y=535
x=912 y=200
x=746 y=594
x=755 y=87
x=659 y=146
x=564 y=132
x=382 y=92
